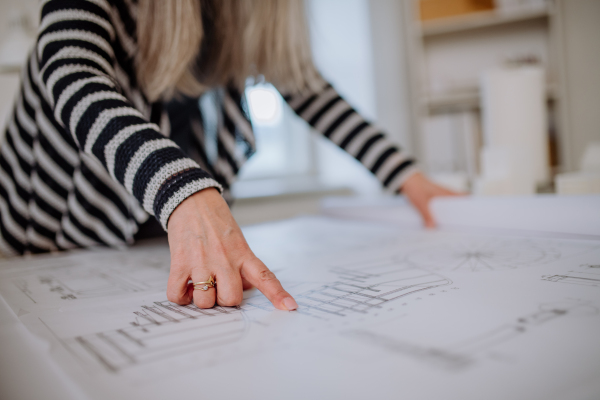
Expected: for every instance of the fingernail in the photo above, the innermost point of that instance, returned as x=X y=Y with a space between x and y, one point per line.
x=289 y=303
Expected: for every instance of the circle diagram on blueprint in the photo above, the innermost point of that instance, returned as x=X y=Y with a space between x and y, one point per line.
x=483 y=254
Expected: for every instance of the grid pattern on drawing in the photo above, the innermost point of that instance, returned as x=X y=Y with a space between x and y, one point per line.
x=341 y=298
x=359 y=291
x=160 y=331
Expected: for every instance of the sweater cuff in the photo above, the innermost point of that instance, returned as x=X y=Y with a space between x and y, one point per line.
x=399 y=175
x=178 y=188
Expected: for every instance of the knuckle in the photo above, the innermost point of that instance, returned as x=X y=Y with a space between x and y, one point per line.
x=175 y=297
x=267 y=276
x=228 y=268
x=178 y=270
x=232 y=299
x=237 y=299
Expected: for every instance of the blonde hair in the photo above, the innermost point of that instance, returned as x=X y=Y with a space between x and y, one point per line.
x=188 y=46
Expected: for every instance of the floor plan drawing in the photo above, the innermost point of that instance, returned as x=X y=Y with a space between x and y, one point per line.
x=388 y=306
x=107 y=275
x=72 y=283
x=361 y=288
x=158 y=332
x=464 y=354
x=372 y=286
x=522 y=325
x=164 y=330
x=490 y=253
x=586 y=275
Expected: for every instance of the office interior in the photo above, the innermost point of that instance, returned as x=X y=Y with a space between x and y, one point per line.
x=441 y=78
x=495 y=99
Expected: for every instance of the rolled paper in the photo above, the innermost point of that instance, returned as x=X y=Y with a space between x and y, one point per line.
x=515 y=123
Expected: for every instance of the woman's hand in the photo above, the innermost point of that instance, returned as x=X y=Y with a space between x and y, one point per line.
x=419 y=190
x=205 y=241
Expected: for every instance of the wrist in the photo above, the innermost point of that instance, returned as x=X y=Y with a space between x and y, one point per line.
x=196 y=203
x=415 y=179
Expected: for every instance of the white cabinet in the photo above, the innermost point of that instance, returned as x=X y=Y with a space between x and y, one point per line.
x=445 y=60
x=578 y=35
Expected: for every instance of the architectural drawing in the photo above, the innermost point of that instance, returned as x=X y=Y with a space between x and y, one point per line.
x=105 y=276
x=362 y=287
x=165 y=330
x=437 y=357
x=72 y=283
x=464 y=354
x=80 y=284
x=484 y=254
x=373 y=300
x=546 y=313
x=160 y=331
x=586 y=275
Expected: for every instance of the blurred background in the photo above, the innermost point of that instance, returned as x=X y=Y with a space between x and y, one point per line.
x=493 y=97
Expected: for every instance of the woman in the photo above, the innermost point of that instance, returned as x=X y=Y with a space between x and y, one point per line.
x=88 y=157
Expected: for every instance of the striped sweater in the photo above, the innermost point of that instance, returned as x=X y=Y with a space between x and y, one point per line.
x=87 y=158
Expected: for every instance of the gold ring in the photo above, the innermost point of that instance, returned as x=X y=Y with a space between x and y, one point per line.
x=210 y=283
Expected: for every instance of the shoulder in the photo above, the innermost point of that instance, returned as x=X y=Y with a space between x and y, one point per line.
x=125 y=10
x=91 y=20
x=101 y=8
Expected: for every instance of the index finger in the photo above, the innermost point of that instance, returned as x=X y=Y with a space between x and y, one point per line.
x=257 y=273
x=427 y=216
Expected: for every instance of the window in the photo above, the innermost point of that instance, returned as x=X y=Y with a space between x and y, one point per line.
x=284 y=145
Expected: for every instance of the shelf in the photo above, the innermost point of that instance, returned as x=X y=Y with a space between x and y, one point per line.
x=466 y=100
x=481 y=20
x=453 y=101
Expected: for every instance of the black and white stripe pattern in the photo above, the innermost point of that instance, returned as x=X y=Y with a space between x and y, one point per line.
x=333 y=117
x=215 y=131
x=84 y=160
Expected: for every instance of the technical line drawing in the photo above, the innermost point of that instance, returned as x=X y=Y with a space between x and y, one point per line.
x=465 y=353
x=160 y=331
x=484 y=254
x=361 y=288
x=586 y=275
x=547 y=312
x=94 y=285
x=438 y=357
x=85 y=282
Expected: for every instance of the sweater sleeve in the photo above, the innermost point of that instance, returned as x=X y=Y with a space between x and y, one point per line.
x=76 y=51
x=334 y=118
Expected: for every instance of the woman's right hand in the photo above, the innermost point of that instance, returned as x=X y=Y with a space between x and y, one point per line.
x=205 y=241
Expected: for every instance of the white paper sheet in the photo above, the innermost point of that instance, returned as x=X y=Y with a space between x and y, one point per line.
x=384 y=312
x=574 y=215
x=27 y=370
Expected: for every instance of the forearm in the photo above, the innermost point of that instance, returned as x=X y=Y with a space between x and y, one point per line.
x=335 y=119
x=77 y=71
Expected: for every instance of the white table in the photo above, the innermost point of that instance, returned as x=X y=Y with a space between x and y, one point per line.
x=385 y=312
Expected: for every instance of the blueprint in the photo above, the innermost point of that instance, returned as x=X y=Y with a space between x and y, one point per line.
x=383 y=312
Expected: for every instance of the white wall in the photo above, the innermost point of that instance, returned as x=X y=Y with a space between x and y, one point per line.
x=31 y=8
x=341 y=40
x=390 y=66
x=9 y=82
x=580 y=66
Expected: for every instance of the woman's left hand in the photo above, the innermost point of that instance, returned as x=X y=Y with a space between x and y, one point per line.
x=419 y=190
